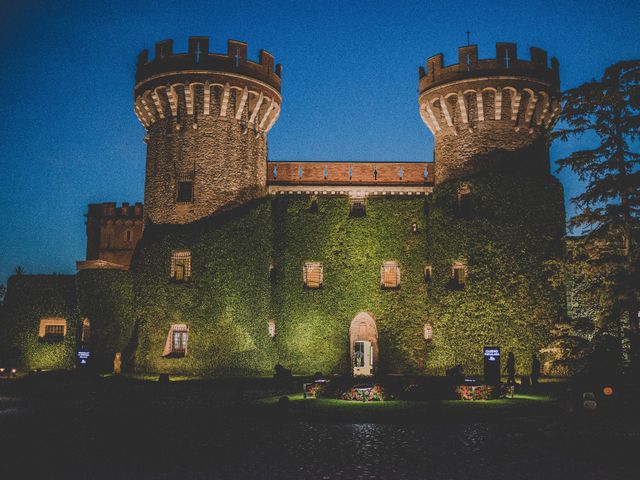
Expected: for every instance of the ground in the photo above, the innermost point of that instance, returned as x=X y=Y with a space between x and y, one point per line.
x=129 y=428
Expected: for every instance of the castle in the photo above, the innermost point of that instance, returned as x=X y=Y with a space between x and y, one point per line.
x=338 y=267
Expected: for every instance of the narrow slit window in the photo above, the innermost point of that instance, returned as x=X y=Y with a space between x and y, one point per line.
x=390 y=275
x=181 y=266
x=427 y=331
x=312 y=275
x=428 y=273
x=85 y=337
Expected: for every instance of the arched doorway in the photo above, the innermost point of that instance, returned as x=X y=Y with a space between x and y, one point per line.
x=363 y=345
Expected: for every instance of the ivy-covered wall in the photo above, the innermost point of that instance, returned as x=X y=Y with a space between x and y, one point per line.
x=225 y=305
x=29 y=299
x=105 y=298
x=313 y=324
x=515 y=228
x=247 y=269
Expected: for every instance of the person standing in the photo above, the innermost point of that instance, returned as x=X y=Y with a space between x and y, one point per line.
x=510 y=368
x=535 y=370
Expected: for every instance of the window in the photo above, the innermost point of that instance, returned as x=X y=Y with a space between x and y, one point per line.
x=427 y=331
x=181 y=266
x=465 y=203
x=357 y=207
x=128 y=235
x=312 y=275
x=313 y=207
x=52 y=329
x=271 y=328
x=176 y=344
x=389 y=275
x=85 y=336
x=427 y=273
x=185 y=192
x=458 y=275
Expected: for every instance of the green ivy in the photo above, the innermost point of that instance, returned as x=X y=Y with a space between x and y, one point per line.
x=515 y=232
x=29 y=299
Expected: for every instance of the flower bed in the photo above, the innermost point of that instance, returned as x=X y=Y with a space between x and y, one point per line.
x=475 y=392
x=364 y=393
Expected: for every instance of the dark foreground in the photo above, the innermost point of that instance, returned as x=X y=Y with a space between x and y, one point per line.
x=118 y=428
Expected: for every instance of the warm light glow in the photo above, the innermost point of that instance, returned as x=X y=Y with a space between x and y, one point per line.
x=272 y=328
x=608 y=391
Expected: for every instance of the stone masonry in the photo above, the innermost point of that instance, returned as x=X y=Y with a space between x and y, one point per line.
x=207 y=116
x=483 y=112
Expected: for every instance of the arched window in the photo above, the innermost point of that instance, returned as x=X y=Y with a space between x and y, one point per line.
x=85 y=336
x=128 y=235
x=427 y=273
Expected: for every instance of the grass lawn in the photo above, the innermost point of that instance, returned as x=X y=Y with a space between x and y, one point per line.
x=398 y=410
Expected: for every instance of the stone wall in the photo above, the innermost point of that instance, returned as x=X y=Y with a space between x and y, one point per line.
x=113 y=232
x=207 y=117
x=484 y=112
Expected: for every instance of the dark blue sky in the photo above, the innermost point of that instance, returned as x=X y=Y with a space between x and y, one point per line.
x=69 y=136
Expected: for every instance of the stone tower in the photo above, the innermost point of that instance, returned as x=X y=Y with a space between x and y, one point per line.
x=486 y=113
x=207 y=116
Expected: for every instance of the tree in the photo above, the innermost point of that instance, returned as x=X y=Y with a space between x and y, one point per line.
x=608 y=209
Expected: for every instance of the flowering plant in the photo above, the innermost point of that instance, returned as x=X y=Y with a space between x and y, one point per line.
x=364 y=393
x=475 y=392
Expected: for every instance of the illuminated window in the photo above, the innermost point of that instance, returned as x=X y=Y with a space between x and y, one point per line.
x=52 y=329
x=458 y=275
x=185 y=192
x=389 y=275
x=85 y=336
x=357 y=207
x=427 y=273
x=312 y=275
x=176 y=344
x=181 y=266
x=465 y=202
x=427 y=331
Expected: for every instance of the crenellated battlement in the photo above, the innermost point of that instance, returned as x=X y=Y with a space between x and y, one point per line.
x=477 y=108
x=199 y=59
x=207 y=116
x=505 y=63
x=112 y=211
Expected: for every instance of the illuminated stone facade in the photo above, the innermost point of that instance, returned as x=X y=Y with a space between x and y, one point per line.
x=245 y=263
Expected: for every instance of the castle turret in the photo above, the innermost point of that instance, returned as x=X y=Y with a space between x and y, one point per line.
x=207 y=116
x=488 y=112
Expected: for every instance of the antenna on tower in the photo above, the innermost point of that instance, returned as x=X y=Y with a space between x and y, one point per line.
x=468 y=33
